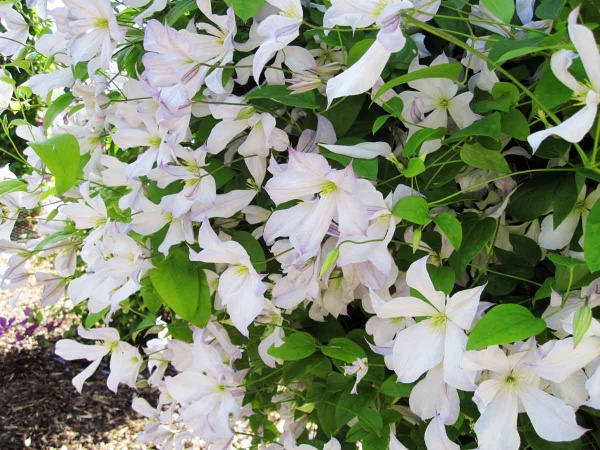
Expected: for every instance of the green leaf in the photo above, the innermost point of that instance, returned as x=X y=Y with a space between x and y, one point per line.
x=179 y=10
x=358 y=50
x=93 y=318
x=420 y=137
x=502 y=9
x=533 y=198
x=489 y=126
x=366 y=168
x=330 y=260
x=476 y=233
x=182 y=285
x=10 y=186
x=475 y=155
x=412 y=208
x=450 y=70
x=370 y=419
x=565 y=198
x=515 y=124
x=380 y=122
x=245 y=9
x=549 y=9
x=392 y=388
x=60 y=154
x=415 y=167
x=344 y=349
x=296 y=346
x=581 y=322
x=591 y=243
x=57 y=107
x=550 y=91
x=151 y=299
x=504 y=324
x=342 y=115
x=254 y=249
x=451 y=227
x=564 y=261
x=148 y=321
x=281 y=94
x=180 y=330
x=537 y=443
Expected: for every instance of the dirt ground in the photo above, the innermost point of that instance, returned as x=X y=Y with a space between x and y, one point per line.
x=39 y=407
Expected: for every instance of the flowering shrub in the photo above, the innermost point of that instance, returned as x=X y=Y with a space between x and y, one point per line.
x=314 y=225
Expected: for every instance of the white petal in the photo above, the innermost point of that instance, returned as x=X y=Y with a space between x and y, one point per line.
x=574 y=128
x=418 y=278
x=552 y=239
x=462 y=307
x=564 y=359
x=85 y=374
x=436 y=437
x=460 y=111
x=560 y=63
x=583 y=39
x=365 y=150
x=432 y=397
x=492 y=358
x=416 y=350
x=401 y=307
x=455 y=344
x=496 y=429
x=395 y=444
x=361 y=76
x=551 y=418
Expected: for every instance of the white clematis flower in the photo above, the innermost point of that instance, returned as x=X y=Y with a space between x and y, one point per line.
x=440 y=337
x=240 y=287
x=579 y=124
x=512 y=387
x=17 y=30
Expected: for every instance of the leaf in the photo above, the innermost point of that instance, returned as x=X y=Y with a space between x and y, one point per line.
x=504 y=324
x=475 y=155
x=564 y=261
x=451 y=227
x=533 y=198
x=415 y=167
x=182 y=285
x=93 y=318
x=344 y=349
x=502 y=9
x=476 y=233
x=342 y=115
x=591 y=243
x=253 y=248
x=564 y=199
x=450 y=70
x=57 y=107
x=420 y=137
x=10 y=186
x=392 y=388
x=380 y=122
x=281 y=94
x=581 y=322
x=515 y=124
x=537 y=443
x=489 y=126
x=329 y=261
x=180 y=330
x=366 y=168
x=179 y=10
x=412 y=208
x=550 y=91
x=296 y=346
x=245 y=9
x=358 y=50
x=60 y=154
x=370 y=419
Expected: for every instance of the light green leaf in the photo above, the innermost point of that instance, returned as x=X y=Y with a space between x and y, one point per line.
x=581 y=322
x=60 y=154
x=591 y=243
x=245 y=9
x=329 y=261
x=489 y=126
x=182 y=285
x=415 y=167
x=296 y=346
x=10 y=186
x=451 y=227
x=504 y=324
x=344 y=349
x=57 y=107
x=420 y=137
x=370 y=419
x=392 y=388
x=412 y=208
x=502 y=9
x=476 y=155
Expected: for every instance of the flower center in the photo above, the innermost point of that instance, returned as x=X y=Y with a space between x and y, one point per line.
x=443 y=102
x=154 y=141
x=438 y=322
x=329 y=187
x=101 y=23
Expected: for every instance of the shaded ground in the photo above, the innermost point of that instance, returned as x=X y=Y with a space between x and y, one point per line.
x=39 y=407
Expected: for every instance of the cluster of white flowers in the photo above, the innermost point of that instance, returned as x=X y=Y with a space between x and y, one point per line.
x=195 y=140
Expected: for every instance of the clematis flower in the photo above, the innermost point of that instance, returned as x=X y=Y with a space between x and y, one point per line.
x=512 y=387
x=436 y=97
x=125 y=360
x=579 y=124
x=6 y=91
x=17 y=30
x=360 y=367
x=305 y=176
x=240 y=287
x=440 y=337
x=277 y=32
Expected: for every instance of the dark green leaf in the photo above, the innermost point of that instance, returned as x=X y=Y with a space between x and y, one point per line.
x=515 y=124
x=254 y=249
x=182 y=285
x=296 y=346
x=591 y=243
x=370 y=419
x=476 y=234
